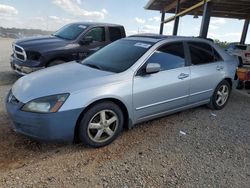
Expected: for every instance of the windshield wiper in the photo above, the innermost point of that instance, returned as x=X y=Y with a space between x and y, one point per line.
x=93 y=66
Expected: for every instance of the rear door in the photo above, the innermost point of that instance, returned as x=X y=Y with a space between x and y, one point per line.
x=206 y=71
x=155 y=94
x=115 y=33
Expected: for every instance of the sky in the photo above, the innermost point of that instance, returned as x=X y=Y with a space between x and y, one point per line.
x=53 y=14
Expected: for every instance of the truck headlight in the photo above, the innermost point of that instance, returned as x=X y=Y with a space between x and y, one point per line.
x=47 y=104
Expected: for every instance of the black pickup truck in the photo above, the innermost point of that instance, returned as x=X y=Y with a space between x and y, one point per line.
x=72 y=42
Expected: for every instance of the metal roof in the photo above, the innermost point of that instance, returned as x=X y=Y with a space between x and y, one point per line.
x=239 y=9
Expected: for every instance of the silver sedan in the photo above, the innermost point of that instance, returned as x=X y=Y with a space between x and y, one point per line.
x=132 y=80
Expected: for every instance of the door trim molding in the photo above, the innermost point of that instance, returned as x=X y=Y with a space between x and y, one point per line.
x=153 y=116
x=162 y=102
x=201 y=92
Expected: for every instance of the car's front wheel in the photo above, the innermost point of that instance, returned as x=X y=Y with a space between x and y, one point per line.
x=101 y=124
x=220 y=96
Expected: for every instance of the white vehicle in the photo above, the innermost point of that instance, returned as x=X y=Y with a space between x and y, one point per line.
x=240 y=50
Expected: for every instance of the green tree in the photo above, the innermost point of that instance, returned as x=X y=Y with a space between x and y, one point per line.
x=223 y=44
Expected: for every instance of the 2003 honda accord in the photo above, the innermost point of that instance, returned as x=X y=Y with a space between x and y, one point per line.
x=129 y=81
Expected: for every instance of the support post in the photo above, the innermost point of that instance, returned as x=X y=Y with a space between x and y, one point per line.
x=176 y=21
x=206 y=19
x=244 y=32
x=162 y=21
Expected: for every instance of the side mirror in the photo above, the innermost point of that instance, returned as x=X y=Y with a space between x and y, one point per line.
x=86 y=40
x=153 y=68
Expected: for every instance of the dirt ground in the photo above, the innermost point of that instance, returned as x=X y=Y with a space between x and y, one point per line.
x=214 y=152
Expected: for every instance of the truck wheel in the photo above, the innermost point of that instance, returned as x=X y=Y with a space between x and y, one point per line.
x=221 y=95
x=101 y=124
x=55 y=62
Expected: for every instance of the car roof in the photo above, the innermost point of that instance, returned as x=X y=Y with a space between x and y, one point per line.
x=151 y=37
x=96 y=24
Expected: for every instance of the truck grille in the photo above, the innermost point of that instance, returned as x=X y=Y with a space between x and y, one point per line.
x=19 y=52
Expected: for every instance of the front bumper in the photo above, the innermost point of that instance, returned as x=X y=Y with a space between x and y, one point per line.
x=48 y=127
x=21 y=68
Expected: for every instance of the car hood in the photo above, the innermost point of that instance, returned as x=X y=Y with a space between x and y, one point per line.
x=41 y=43
x=66 y=78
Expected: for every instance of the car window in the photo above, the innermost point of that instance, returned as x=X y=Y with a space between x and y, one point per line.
x=97 y=33
x=169 y=56
x=201 y=53
x=114 y=33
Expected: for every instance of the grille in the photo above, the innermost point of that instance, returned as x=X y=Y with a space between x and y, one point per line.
x=19 y=53
x=21 y=57
x=12 y=99
x=18 y=49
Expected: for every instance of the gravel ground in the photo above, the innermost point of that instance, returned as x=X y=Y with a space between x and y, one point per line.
x=213 y=152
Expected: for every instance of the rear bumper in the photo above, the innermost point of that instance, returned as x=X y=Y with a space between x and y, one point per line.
x=50 y=127
x=21 y=68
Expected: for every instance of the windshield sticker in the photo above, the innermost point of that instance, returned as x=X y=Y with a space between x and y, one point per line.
x=82 y=26
x=143 y=45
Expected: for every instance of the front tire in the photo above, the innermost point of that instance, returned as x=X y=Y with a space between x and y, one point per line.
x=220 y=96
x=101 y=124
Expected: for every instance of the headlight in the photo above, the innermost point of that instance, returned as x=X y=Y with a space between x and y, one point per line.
x=47 y=104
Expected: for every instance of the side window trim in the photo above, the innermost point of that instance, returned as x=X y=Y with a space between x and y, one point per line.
x=187 y=53
x=138 y=71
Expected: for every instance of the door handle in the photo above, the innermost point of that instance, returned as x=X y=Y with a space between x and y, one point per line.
x=183 y=75
x=219 y=67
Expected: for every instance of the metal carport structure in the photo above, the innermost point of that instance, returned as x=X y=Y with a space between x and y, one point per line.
x=238 y=9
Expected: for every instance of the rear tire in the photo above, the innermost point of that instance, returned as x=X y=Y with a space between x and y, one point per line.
x=56 y=62
x=220 y=96
x=101 y=124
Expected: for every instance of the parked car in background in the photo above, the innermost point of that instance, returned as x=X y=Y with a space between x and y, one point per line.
x=132 y=80
x=74 y=41
x=240 y=50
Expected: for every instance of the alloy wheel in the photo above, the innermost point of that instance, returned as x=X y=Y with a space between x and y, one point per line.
x=222 y=95
x=103 y=126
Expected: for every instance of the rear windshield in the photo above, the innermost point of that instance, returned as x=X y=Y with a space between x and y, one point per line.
x=70 y=32
x=118 y=56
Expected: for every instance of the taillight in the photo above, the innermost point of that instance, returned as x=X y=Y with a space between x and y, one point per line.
x=247 y=54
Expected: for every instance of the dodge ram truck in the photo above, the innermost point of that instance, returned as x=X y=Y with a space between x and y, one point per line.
x=73 y=42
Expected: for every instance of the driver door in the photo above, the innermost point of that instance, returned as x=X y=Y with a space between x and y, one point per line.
x=99 y=41
x=156 y=94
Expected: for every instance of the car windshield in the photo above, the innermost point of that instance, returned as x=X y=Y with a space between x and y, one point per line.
x=70 y=32
x=118 y=56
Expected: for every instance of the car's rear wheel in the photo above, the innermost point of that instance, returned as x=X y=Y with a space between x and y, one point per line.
x=101 y=124
x=220 y=96
x=56 y=62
